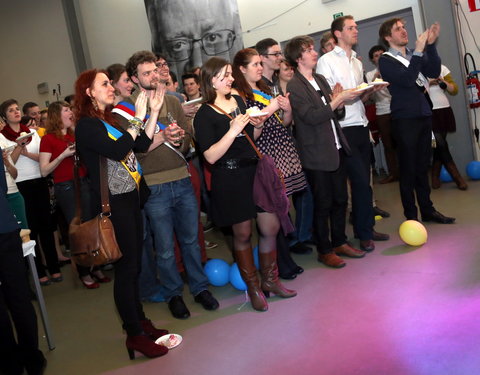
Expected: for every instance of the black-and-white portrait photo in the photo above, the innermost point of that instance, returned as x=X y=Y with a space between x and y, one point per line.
x=189 y=32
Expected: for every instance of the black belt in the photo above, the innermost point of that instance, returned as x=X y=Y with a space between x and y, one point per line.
x=235 y=163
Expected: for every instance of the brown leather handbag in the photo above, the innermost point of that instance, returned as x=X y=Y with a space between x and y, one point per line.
x=93 y=242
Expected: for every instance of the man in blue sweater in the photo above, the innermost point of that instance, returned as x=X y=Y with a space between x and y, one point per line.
x=411 y=110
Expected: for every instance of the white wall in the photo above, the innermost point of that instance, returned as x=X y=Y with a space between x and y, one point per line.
x=310 y=16
x=35 y=48
x=114 y=29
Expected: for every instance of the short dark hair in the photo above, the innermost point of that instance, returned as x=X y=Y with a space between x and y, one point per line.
x=70 y=98
x=295 y=48
x=190 y=75
x=210 y=69
x=140 y=57
x=326 y=36
x=27 y=106
x=386 y=28
x=4 y=106
x=375 y=49
x=263 y=45
x=337 y=25
x=173 y=76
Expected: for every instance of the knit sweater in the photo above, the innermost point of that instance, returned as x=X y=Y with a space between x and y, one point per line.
x=407 y=100
x=162 y=164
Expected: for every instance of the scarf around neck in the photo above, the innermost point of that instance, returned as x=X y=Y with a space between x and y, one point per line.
x=12 y=135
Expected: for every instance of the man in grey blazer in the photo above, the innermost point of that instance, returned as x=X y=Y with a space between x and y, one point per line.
x=322 y=147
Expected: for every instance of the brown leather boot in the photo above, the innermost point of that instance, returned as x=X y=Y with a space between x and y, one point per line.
x=269 y=272
x=249 y=274
x=457 y=177
x=436 y=168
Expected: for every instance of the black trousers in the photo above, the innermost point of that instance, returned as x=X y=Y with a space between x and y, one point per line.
x=358 y=171
x=37 y=206
x=330 y=198
x=414 y=147
x=128 y=224
x=15 y=299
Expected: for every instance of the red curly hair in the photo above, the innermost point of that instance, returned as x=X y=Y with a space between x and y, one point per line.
x=83 y=103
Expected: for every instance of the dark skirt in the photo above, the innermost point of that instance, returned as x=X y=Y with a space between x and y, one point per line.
x=443 y=120
x=232 y=195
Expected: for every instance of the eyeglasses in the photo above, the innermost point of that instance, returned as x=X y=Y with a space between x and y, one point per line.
x=162 y=65
x=212 y=43
x=276 y=54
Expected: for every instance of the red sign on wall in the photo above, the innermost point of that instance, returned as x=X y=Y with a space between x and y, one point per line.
x=474 y=5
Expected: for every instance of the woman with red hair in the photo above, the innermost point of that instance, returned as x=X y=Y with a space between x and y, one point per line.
x=97 y=134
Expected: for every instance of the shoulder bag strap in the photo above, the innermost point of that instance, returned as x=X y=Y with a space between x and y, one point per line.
x=76 y=183
x=104 y=186
x=243 y=131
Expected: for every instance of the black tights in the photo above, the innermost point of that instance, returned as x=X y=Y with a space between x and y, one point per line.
x=441 y=152
x=268 y=225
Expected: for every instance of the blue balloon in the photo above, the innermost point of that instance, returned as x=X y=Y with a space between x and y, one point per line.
x=473 y=170
x=217 y=271
x=255 y=257
x=235 y=278
x=445 y=176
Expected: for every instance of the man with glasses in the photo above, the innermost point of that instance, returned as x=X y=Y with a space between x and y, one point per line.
x=189 y=32
x=171 y=209
x=271 y=55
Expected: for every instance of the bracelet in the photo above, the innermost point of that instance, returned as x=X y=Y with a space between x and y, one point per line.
x=137 y=122
x=137 y=129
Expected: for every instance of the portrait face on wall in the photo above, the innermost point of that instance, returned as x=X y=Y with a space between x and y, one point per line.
x=189 y=32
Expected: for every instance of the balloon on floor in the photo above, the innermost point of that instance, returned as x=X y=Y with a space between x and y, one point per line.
x=217 y=271
x=413 y=233
x=473 y=170
x=235 y=278
x=444 y=175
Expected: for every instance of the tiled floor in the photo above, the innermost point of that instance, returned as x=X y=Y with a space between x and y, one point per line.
x=398 y=311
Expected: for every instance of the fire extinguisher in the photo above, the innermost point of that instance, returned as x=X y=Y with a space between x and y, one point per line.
x=473 y=84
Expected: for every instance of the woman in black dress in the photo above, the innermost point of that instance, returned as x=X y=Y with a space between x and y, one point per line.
x=220 y=137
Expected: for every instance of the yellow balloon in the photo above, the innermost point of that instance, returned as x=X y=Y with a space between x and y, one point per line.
x=413 y=233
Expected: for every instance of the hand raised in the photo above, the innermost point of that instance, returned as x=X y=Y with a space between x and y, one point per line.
x=239 y=123
x=421 y=41
x=141 y=105
x=156 y=97
x=434 y=33
x=284 y=102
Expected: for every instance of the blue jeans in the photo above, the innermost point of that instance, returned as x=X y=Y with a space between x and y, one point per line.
x=149 y=284
x=172 y=209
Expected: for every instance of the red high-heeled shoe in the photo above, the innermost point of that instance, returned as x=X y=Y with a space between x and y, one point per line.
x=90 y=285
x=151 y=331
x=144 y=345
x=104 y=279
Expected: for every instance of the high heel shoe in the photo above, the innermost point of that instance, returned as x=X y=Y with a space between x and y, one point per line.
x=104 y=279
x=151 y=331
x=144 y=345
x=90 y=284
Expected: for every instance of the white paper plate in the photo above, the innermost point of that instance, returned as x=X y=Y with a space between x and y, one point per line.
x=379 y=83
x=258 y=114
x=363 y=88
x=194 y=101
x=171 y=340
x=24 y=136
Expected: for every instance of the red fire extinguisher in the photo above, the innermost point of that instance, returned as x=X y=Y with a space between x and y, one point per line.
x=473 y=84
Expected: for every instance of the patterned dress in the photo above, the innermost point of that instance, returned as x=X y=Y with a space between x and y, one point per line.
x=277 y=142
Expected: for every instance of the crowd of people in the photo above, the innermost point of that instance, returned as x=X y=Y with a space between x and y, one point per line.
x=171 y=155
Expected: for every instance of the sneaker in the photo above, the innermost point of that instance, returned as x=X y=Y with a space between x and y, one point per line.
x=209 y=245
x=206 y=299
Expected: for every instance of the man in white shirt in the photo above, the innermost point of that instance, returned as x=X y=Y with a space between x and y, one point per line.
x=382 y=100
x=342 y=66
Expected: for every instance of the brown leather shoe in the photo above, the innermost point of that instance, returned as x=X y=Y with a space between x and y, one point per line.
x=349 y=251
x=367 y=245
x=377 y=236
x=331 y=260
x=388 y=179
